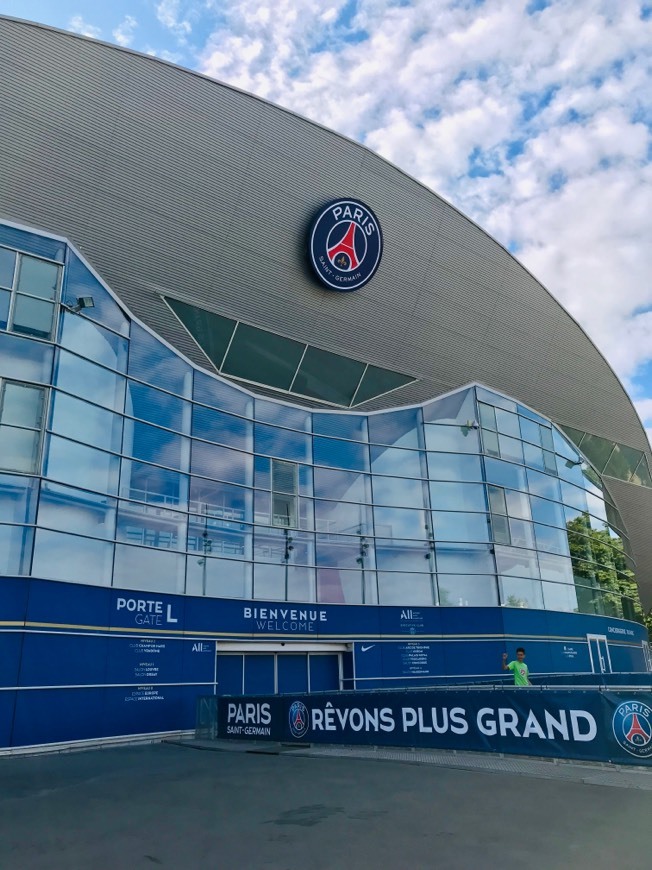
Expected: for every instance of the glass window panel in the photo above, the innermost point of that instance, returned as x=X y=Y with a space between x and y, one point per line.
x=350 y=426
x=397 y=428
x=38 y=277
x=212 y=390
x=487 y=416
x=552 y=540
x=549 y=462
x=458 y=497
x=556 y=568
x=558 y=596
x=510 y=448
x=530 y=431
x=505 y=474
x=216 y=537
x=395 y=555
x=399 y=492
x=377 y=381
x=340 y=454
x=459 y=591
x=79 y=281
x=17 y=499
x=12 y=237
x=342 y=485
x=22 y=405
x=301 y=583
x=283 y=415
x=533 y=456
x=151 y=361
x=222 y=463
x=497 y=503
x=400 y=523
x=81 y=466
x=7 y=267
x=86 y=380
x=343 y=587
x=393 y=460
x=262 y=507
x=517 y=563
x=597 y=450
x=149 y=570
x=306 y=514
x=151 y=526
x=543 y=485
x=518 y=504
x=495 y=399
x=589 y=601
x=282 y=442
x=33 y=317
x=457 y=408
x=260 y=356
x=343 y=551
x=403 y=590
x=642 y=474
x=328 y=376
x=522 y=533
x=19 y=449
x=150 y=444
x=16 y=550
x=92 y=341
x=153 y=485
x=80 y=421
x=500 y=526
x=262 y=472
x=211 y=331
x=563 y=445
x=461 y=527
x=221 y=500
x=547 y=439
x=451 y=466
x=73 y=559
x=222 y=428
x=218 y=578
x=549 y=512
x=507 y=423
x=465 y=559
x=270 y=582
x=155 y=406
x=5 y=299
x=25 y=360
x=279 y=546
x=491 y=444
x=452 y=439
x=344 y=518
x=521 y=592
x=596 y=506
x=573 y=496
x=76 y=510
x=305 y=480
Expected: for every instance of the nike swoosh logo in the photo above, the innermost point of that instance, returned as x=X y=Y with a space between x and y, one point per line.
x=365 y=648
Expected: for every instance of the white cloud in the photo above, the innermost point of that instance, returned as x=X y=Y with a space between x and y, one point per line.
x=169 y=15
x=78 y=25
x=124 y=32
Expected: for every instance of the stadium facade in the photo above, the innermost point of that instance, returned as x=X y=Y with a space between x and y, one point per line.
x=218 y=473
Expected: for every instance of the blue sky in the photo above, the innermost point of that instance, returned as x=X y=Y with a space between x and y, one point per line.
x=534 y=117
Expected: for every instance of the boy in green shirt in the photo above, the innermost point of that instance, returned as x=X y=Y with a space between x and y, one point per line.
x=518 y=668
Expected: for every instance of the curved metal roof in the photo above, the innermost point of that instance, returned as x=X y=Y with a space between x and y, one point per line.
x=172 y=184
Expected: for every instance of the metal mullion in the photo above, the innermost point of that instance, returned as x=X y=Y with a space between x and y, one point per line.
x=228 y=347
x=296 y=371
x=357 y=389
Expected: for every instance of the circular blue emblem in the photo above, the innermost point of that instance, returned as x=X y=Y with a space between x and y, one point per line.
x=632 y=727
x=299 y=719
x=345 y=244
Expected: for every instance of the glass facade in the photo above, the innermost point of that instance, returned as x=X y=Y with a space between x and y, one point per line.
x=121 y=464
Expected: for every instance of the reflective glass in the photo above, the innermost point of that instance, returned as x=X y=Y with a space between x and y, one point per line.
x=222 y=463
x=589 y=600
x=25 y=360
x=597 y=450
x=521 y=533
x=5 y=299
x=262 y=472
x=17 y=499
x=33 y=317
x=262 y=507
x=465 y=559
x=22 y=405
x=564 y=447
x=497 y=502
x=487 y=416
x=500 y=529
x=151 y=444
x=412 y=556
x=217 y=537
x=556 y=568
x=79 y=281
x=15 y=549
x=81 y=421
x=340 y=454
x=149 y=570
x=38 y=277
x=19 y=449
x=404 y=590
x=344 y=551
x=76 y=510
x=222 y=428
x=280 y=546
x=543 y=485
x=151 y=526
x=211 y=331
x=393 y=460
x=401 y=523
x=495 y=399
x=349 y=426
x=518 y=504
x=73 y=559
x=260 y=356
x=153 y=485
x=92 y=341
x=457 y=408
x=345 y=587
x=301 y=584
x=451 y=466
x=533 y=456
x=549 y=512
x=573 y=496
x=452 y=439
x=458 y=497
x=520 y=592
x=399 y=492
x=490 y=443
x=596 y=506
x=530 y=431
x=510 y=448
x=549 y=461
x=551 y=540
x=218 y=578
x=283 y=415
x=151 y=361
x=86 y=380
x=642 y=474
x=7 y=267
x=516 y=563
x=377 y=382
x=459 y=591
x=213 y=391
x=155 y=406
x=343 y=518
x=12 y=237
x=81 y=466
x=342 y=485
x=221 y=500
x=283 y=443
x=306 y=514
x=397 y=428
x=546 y=438
x=505 y=474
x=461 y=527
x=559 y=596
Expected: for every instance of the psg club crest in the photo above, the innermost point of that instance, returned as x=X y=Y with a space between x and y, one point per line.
x=345 y=245
x=299 y=719
x=632 y=727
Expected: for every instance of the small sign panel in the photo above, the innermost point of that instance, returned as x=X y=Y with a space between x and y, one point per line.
x=346 y=245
